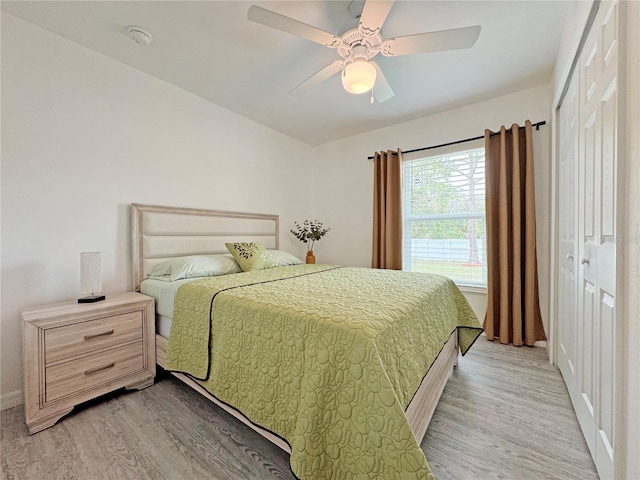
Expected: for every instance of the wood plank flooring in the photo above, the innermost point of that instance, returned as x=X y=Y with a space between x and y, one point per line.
x=505 y=414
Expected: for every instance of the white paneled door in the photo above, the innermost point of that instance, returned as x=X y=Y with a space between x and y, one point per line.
x=567 y=242
x=588 y=329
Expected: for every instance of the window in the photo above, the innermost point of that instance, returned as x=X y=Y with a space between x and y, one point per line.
x=444 y=214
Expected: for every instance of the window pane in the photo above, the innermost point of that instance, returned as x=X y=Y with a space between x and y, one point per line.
x=443 y=209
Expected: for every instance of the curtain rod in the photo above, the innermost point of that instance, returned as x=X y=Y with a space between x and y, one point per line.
x=537 y=125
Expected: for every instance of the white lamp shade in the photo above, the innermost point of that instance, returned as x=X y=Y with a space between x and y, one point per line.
x=90 y=272
x=358 y=77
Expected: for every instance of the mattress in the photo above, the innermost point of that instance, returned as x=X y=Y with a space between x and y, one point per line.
x=165 y=296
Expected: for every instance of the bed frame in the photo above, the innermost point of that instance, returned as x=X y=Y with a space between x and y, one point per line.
x=159 y=233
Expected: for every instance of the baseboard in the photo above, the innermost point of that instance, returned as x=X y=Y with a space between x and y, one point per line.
x=12 y=399
x=539 y=343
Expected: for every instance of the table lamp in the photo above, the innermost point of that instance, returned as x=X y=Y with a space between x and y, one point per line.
x=90 y=277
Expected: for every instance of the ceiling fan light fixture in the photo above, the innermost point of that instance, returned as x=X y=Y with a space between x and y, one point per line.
x=358 y=77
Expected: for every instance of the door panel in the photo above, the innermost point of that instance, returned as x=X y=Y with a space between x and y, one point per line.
x=586 y=407
x=609 y=114
x=609 y=329
x=596 y=327
x=606 y=339
x=567 y=215
x=589 y=135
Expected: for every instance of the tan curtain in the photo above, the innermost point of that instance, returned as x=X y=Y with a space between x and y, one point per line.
x=513 y=308
x=387 y=211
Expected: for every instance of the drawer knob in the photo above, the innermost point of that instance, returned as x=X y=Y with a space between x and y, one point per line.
x=91 y=371
x=95 y=335
x=584 y=261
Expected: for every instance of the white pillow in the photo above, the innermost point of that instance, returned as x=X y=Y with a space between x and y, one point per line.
x=284 y=258
x=195 y=266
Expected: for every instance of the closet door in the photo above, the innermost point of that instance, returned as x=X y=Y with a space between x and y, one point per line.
x=568 y=120
x=590 y=333
x=597 y=327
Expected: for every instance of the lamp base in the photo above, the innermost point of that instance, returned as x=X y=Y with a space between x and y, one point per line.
x=91 y=299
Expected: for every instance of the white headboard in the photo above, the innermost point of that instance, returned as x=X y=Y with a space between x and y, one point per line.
x=159 y=233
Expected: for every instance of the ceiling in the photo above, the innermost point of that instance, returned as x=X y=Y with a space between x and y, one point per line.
x=209 y=48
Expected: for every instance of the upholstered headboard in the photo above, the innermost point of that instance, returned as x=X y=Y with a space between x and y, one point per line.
x=159 y=233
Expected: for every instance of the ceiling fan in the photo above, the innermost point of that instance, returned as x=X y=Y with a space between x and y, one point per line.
x=357 y=47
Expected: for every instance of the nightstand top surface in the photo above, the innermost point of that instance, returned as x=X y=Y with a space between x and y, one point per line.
x=73 y=308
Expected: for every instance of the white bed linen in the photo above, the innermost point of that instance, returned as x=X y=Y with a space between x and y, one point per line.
x=163 y=325
x=165 y=295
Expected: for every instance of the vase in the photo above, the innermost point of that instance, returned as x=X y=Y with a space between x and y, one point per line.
x=311 y=258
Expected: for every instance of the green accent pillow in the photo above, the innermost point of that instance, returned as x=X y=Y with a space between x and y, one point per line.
x=251 y=256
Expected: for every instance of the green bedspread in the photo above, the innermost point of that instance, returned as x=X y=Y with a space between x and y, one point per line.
x=326 y=357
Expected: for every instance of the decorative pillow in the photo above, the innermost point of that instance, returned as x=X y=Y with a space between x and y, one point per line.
x=195 y=266
x=284 y=258
x=251 y=256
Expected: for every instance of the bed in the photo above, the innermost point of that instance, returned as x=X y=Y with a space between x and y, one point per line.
x=340 y=390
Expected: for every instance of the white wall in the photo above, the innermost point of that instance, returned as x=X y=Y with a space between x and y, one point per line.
x=83 y=137
x=344 y=176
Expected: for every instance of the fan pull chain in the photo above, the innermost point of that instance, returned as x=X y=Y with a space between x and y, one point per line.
x=372 y=99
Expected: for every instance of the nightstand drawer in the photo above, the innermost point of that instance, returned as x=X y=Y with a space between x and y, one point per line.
x=71 y=340
x=87 y=372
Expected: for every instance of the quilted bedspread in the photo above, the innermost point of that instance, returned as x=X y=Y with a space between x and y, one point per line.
x=326 y=357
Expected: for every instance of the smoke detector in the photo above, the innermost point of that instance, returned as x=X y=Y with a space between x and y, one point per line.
x=139 y=35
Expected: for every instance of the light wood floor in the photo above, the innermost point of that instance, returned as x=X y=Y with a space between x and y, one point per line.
x=505 y=414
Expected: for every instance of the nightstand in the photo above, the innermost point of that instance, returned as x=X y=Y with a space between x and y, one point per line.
x=75 y=352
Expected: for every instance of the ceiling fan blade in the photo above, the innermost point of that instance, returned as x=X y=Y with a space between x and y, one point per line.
x=381 y=89
x=374 y=14
x=319 y=77
x=453 y=39
x=289 y=25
